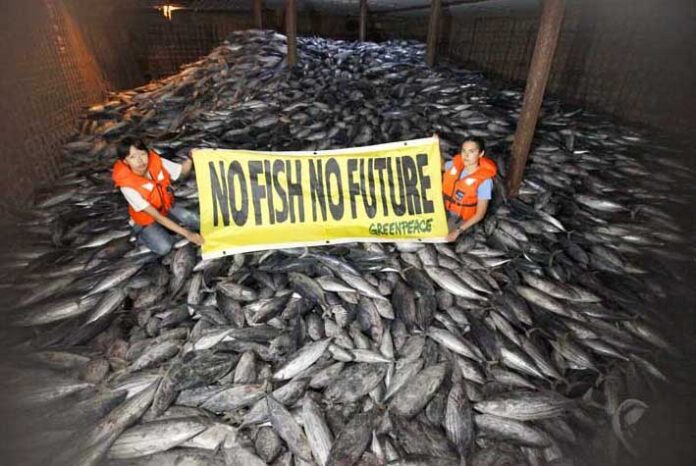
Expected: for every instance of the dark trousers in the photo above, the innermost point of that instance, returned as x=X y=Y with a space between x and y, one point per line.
x=159 y=239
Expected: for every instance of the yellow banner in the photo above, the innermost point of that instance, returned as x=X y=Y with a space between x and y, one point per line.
x=251 y=201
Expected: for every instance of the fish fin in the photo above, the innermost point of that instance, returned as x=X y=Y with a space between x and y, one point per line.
x=627 y=413
x=552 y=256
x=531 y=331
x=266 y=255
x=524 y=254
x=634 y=212
x=560 y=382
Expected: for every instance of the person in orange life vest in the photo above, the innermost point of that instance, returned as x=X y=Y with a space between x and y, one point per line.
x=144 y=179
x=467 y=186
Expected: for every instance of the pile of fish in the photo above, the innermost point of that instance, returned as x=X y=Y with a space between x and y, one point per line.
x=514 y=345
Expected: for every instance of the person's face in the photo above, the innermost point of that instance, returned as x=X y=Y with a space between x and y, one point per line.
x=471 y=153
x=137 y=160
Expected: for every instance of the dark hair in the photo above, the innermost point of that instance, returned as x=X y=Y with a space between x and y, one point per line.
x=476 y=140
x=125 y=144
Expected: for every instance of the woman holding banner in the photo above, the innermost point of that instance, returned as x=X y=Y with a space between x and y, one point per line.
x=145 y=179
x=467 y=186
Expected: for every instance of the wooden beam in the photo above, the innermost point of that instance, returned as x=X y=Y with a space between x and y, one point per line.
x=423 y=7
x=433 y=30
x=258 y=21
x=291 y=31
x=363 y=20
x=547 y=38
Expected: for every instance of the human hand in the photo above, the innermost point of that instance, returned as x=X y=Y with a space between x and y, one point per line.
x=453 y=235
x=191 y=152
x=195 y=238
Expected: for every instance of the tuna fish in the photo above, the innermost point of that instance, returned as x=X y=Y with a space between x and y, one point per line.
x=509 y=346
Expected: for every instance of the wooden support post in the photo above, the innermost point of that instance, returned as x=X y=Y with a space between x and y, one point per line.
x=435 y=9
x=291 y=31
x=363 y=20
x=547 y=38
x=258 y=22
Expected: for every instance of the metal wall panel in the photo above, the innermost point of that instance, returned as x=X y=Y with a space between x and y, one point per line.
x=49 y=76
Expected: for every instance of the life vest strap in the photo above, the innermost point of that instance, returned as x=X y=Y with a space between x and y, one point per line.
x=454 y=201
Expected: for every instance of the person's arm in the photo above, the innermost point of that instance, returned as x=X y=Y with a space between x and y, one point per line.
x=186 y=168
x=177 y=170
x=481 y=209
x=173 y=226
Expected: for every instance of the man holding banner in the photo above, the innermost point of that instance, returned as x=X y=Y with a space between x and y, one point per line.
x=467 y=186
x=145 y=179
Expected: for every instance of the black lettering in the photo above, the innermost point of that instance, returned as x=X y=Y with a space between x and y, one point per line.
x=316 y=184
x=218 y=184
x=269 y=191
x=422 y=162
x=399 y=209
x=257 y=192
x=370 y=203
x=240 y=215
x=411 y=180
x=336 y=209
x=295 y=190
x=282 y=214
x=380 y=166
x=353 y=187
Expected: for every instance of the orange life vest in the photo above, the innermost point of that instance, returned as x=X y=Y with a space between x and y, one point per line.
x=155 y=191
x=460 y=195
